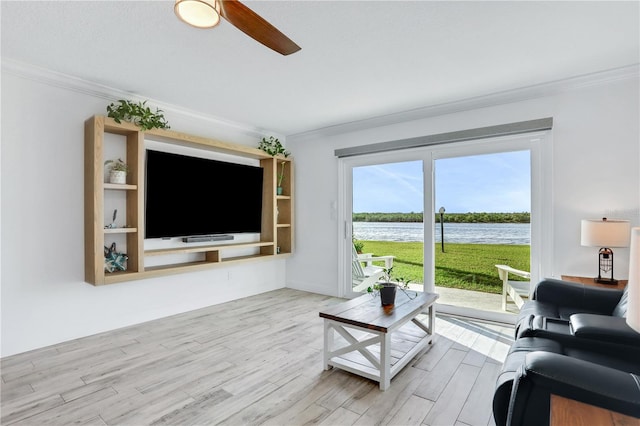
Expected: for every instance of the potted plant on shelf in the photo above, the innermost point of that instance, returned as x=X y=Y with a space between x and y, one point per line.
x=280 y=178
x=137 y=113
x=273 y=147
x=118 y=171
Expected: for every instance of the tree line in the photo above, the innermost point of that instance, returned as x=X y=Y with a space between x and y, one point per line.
x=522 y=217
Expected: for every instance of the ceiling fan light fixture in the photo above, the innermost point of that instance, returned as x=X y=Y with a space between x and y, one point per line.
x=198 y=13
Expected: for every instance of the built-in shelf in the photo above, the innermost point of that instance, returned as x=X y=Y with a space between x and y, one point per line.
x=120 y=230
x=120 y=186
x=203 y=249
x=274 y=236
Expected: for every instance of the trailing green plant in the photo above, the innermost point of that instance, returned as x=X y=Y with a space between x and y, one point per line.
x=117 y=165
x=384 y=279
x=403 y=282
x=386 y=275
x=273 y=147
x=137 y=113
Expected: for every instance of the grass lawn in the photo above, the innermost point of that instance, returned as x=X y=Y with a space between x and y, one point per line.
x=466 y=266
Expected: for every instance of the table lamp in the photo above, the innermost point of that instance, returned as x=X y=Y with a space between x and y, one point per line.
x=605 y=233
x=633 y=309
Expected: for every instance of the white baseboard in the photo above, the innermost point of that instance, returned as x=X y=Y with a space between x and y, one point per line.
x=313 y=288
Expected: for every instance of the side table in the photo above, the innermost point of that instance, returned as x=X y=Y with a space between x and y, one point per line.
x=565 y=412
x=590 y=281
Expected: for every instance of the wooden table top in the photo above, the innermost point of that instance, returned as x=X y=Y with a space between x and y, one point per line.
x=569 y=412
x=365 y=311
x=590 y=281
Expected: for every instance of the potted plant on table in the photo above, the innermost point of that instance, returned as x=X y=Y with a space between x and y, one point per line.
x=388 y=289
x=385 y=287
x=118 y=171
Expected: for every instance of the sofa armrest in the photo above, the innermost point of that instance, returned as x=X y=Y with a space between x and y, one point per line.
x=545 y=373
x=604 y=328
x=576 y=295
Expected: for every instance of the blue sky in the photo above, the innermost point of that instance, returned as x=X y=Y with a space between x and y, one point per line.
x=482 y=183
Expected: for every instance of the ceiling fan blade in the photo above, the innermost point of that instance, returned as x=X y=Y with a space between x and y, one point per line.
x=256 y=27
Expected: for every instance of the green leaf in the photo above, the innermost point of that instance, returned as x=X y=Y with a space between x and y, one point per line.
x=137 y=113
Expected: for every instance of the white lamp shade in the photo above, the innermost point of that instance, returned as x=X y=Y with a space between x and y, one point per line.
x=605 y=233
x=198 y=13
x=633 y=308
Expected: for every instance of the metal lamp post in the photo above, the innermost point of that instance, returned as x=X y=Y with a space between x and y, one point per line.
x=442 y=227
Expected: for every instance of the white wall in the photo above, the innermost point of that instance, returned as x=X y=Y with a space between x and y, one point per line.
x=594 y=171
x=44 y=297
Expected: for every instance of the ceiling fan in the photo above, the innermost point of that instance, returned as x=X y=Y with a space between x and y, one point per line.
x=207 y=13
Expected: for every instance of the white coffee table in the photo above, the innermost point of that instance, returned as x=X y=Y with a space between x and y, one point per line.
x=369 y=330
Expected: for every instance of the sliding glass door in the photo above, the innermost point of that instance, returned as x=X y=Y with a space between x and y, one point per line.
x=485 y=233
x=507 y=220
x=381 y=205
x=386 y=221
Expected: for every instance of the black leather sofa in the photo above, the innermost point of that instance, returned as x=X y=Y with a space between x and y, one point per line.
x=572 y=329
x=560 y=299
x=545 y=373
x=562 y=309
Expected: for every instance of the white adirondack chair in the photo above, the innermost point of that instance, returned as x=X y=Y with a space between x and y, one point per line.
x=367 y=259
x=360 y=281
x=365 y=276
x=517 y=290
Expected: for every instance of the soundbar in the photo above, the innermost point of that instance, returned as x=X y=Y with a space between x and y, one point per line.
x=203 y=238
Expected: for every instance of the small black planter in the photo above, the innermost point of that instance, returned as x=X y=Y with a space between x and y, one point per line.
x=388 y=294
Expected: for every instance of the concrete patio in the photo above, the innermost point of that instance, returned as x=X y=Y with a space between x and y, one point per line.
x=472 y=299
x=475 y=299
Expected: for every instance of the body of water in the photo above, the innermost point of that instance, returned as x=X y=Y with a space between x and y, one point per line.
x=467 y=233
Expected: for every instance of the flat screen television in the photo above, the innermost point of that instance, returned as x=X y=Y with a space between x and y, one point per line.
x=190 y=196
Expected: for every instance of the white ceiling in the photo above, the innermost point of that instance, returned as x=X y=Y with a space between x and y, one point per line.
x=359 y=59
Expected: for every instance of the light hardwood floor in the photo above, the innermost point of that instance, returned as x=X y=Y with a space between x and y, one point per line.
x=252 y=361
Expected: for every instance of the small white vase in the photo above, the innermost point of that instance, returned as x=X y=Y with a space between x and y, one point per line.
x=117 y=176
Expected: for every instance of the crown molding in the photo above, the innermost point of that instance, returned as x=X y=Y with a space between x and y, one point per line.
x=64 y=81
x=493 y=99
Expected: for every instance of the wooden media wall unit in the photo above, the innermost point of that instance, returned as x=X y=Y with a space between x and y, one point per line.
x=276 y=237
